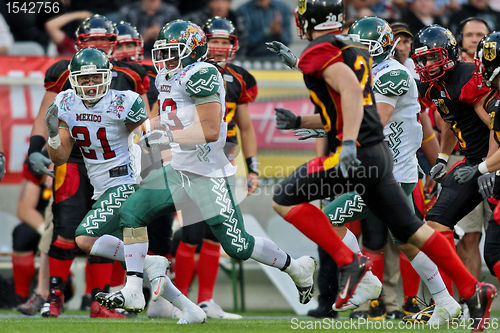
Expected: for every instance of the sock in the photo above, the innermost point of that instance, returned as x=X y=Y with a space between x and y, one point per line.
x=267 y=252
x=118 y=274
x=134 y=256
x=496 y=269
x=61 y=267
x=441 y=297
x=378 y=263
x=23 y=270
x=443 y=255
x=409 y=277
x=184 y=266
x=208 y=267
x=314 y=224
x=108 y=246
x=88 y=289
x=100 y=275
x=428 y=271
x=351 y=241
x=446 y=279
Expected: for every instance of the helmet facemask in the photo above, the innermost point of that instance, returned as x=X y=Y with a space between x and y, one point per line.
x=132 y=55
x=91 y=93
x=168 y=57
x=222 y=54
x=441 y=60
x=105 y=42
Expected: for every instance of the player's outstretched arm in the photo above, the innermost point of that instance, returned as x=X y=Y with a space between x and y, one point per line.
x=59 y=154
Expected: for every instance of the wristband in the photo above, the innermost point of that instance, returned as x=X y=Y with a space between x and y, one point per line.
x=443 y=157
x=252 y=165
x=482 y=168
x=41 y=228
x=36 y=144
x=54 y=142
x=298 y=121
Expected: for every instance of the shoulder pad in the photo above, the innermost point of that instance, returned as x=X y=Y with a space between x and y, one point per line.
x=203 y=82
x=394 y=82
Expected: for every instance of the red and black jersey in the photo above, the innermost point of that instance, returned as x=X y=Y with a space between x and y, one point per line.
x=491 y=105
x=152 y=91
x=125 y=76
x=45 y=192
x=455 y=97
x=241 y=88
x=323 y=52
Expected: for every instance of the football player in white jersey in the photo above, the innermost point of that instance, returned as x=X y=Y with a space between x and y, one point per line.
x=99 y=120
x=199 y=177
x=397 y=105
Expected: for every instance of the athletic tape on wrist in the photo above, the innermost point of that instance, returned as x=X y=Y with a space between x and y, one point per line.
x=54 y=142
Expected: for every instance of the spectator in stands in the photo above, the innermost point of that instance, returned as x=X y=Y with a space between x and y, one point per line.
x=476 y=8
x=149 y=16
x=420 y=15
x=470 y=32
x=402 y=32
x=54 y=27
x=186 y=7
x=266 y=21
x=6 y=39
x=221 y=8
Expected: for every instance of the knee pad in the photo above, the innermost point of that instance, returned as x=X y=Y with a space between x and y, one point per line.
x=25 y=238
x=62 y=250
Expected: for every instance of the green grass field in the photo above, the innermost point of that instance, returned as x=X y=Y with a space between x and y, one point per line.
x=255 y=321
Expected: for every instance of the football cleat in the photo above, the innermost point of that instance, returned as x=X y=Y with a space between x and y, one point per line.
x=163 y=309
x=132 y=301
x=445 y=311
x=423 y=316
x=411 y=306
x=377 y=311
x=156 y=269
x=350 y=278
x=369 y=288
x=479 y=305
x=213 y=310
x=192 y=314
x=100 y=311
x=32 y=305
x=56 y=301
x=303 y=278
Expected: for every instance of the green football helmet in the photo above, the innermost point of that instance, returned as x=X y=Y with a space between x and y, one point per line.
x=84 y=70
x=179 y=44
x=375 y=33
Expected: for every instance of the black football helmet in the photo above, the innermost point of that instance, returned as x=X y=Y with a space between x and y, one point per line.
x=490 y=57
x=438 y=45
x=127 y=33
x=98 y=32
x=219 y=27
x=318 y=15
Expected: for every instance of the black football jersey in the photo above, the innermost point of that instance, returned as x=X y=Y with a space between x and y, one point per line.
x=125 y=76
x=152 y=91
x=455 y=97
x=321 y=53
x=492 y=105
x=241 y=88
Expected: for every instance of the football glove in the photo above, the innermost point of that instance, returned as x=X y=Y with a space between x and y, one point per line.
x=348 y=162
x=286 y=55
x=438 y=171
x=307 y=133
x=286 y=119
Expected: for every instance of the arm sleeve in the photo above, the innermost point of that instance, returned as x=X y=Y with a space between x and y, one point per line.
x=391 y=100
x=317 y=58
x=137 y=112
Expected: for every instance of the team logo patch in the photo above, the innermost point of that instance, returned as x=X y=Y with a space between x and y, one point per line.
x=490 y=50
x=117 y=106
x=302 y=7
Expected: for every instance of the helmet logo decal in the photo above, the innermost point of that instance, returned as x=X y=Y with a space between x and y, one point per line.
x=194 y=35
x=302 y=7
x=88 y=68
x=421 y=49
x=453 y=41
x=490 y=50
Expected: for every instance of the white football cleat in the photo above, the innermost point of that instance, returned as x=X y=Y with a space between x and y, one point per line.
x=213 y=310
x=127 y=298
x=369 y=288
x=303 y=277
x=192 y=314
x=163 y=309
x=156 y=269
x=445 y=312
